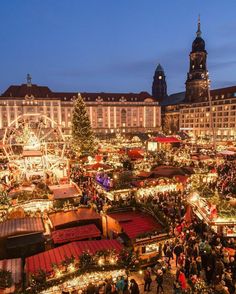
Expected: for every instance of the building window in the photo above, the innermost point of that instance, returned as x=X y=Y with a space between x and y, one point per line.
x=123 y=117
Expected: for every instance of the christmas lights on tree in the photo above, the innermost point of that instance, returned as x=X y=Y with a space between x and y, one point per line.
x=82 y=134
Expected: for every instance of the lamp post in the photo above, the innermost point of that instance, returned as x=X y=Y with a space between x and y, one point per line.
x=211 y=113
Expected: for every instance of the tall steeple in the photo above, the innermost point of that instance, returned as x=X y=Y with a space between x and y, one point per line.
x=196 y=83
x=159 y=87
x=199 y=33
x=29 y=80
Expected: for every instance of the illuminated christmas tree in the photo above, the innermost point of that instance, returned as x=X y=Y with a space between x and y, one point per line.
x=82 y=134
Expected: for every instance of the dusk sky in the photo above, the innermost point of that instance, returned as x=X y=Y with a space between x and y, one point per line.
x=113 y=46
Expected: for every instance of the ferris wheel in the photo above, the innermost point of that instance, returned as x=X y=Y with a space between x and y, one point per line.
x=34 y=135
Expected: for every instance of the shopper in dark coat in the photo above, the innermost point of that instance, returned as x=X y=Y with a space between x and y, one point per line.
x=159 y=280
x=134 y=289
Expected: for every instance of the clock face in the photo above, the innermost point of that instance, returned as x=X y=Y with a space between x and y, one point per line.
x=202 y=75
x=190 y=76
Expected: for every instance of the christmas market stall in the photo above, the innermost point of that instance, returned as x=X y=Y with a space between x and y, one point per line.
x=218 y=213
x=162 y=143
x=137 y=229
x=21 y=237
x=10 y=275
x=115 y=185
x=68 y=258
x=81 y=282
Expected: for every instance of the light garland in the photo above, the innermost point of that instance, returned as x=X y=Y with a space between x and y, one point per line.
x=157 y=189
x=81 y=282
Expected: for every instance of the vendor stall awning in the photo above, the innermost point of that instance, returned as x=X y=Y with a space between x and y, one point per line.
x=136 y=223
x=165 y=140
x=21 y=226
x=13 y=266
x=45 y=259
x=75 y=234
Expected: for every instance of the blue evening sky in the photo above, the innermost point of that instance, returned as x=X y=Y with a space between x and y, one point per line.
x=113 y=45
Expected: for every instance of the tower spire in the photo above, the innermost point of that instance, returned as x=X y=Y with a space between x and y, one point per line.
x=199 y=27
x=29 y=80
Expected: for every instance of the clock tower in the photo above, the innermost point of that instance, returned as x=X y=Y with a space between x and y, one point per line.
x=196 y=83
x=159 y=87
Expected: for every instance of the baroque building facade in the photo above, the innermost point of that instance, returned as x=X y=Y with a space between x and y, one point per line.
x=199 y=111
x=108 y=112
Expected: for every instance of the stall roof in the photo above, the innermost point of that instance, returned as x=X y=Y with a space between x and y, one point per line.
x=45 y=259
x=165 y=140
x=168 y=171
x=14 y=266
x=75 y=234
x=25 y=240
x=97 y=166
x=64 y=191
x=135 y=154
x=21 y=226
x=82 y=214
x=135 y=223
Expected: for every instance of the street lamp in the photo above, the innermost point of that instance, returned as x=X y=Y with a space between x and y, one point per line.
x=211 y=112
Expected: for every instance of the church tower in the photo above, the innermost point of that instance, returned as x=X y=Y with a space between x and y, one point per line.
x=159 y=88
x=196 y=83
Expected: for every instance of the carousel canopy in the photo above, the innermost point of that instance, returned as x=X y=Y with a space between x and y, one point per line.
x=135 y=223
x=14 y=266
x=21 y=226
x=45 y=259
x=75 y=234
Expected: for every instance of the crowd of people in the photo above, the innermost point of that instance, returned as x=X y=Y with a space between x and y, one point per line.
x=227 y=177
x=202 y=260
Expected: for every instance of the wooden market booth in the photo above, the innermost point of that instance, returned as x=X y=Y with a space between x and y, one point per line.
x=137 y=229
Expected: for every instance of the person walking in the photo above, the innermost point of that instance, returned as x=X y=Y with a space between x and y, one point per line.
x=159 y=280
x=147 y=279
x=120 y=285
x=134 y=289
x=177 y=251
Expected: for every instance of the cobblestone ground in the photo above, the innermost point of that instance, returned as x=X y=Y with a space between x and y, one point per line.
x=167 y=284
x=169 y=278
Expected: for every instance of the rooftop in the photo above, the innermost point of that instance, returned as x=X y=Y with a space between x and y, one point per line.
x=135 y=223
